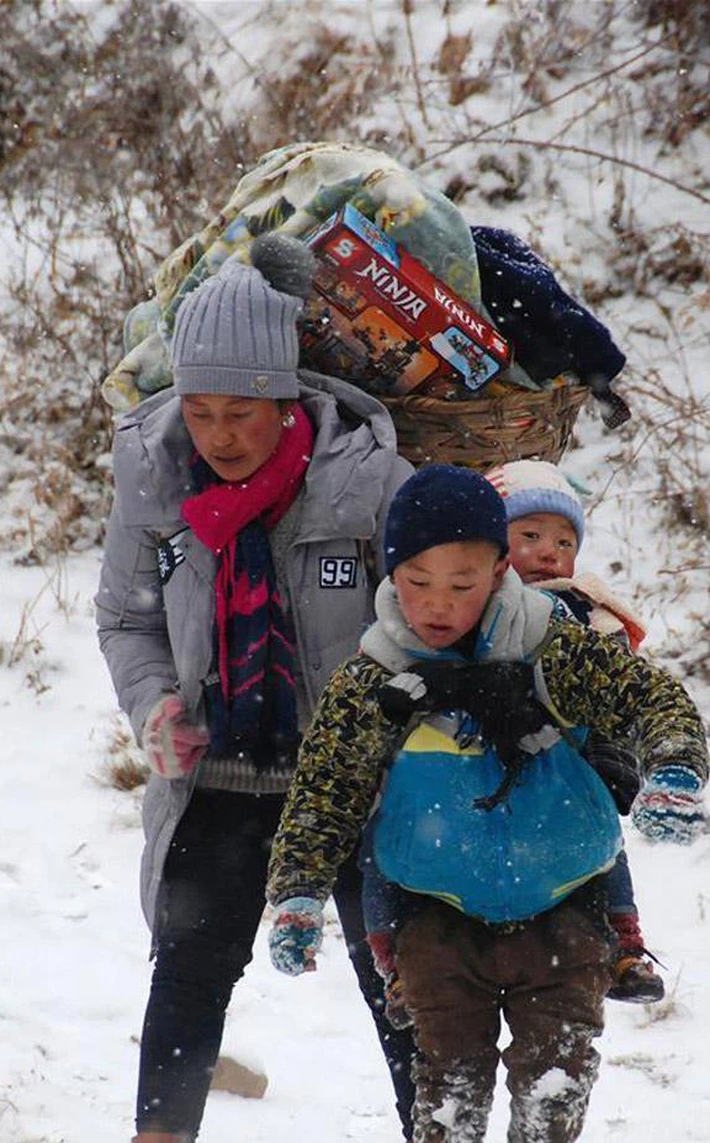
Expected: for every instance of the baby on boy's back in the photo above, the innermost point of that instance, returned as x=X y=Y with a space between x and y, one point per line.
x=545 y=533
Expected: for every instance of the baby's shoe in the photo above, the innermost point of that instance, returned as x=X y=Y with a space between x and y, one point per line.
x=634 y=978
x=395 y=1010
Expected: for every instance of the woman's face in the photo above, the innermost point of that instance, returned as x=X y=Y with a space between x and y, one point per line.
x=235 y=435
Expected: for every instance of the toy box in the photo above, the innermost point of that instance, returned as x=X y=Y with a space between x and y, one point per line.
x=381 y=320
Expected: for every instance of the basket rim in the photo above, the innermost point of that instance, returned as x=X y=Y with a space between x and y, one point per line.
x=515 y=396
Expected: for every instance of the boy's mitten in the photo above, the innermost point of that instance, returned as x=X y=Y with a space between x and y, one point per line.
x=670 y=805
x=296 y=935
x=172 y=745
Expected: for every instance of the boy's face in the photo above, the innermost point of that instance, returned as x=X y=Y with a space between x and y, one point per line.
x=542 y=546
x=443 y=591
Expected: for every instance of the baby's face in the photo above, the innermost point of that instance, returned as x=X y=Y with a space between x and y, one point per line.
x=442 y=592
x=542 y=546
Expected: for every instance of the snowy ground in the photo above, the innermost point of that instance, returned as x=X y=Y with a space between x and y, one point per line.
x=73 y=958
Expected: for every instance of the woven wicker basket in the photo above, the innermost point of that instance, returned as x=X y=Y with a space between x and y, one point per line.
x=519 y=425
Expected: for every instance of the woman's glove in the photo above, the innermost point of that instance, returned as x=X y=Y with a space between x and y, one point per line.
x=296 y=935
x=172 y=745
x=669 y=806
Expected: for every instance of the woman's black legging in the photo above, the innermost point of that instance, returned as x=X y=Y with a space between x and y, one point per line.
x=211 y=906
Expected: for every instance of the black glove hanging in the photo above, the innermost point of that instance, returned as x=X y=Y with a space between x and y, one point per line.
x=403 y=696
x=500 y=697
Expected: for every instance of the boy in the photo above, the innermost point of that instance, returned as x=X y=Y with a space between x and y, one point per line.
x=487 y=812
x=545 y=533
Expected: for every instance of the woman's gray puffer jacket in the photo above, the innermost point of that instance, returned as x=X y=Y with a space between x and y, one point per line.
x=155 y=604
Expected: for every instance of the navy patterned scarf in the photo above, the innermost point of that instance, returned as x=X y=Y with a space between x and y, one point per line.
x=250 y=696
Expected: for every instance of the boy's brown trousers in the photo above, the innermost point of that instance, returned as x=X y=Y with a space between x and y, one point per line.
x=547 y=977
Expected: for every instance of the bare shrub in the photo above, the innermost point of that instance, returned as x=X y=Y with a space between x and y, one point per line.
x=689 y=20
x=679 y=100
x=107 y=144
x=642 y=258
x=313 y=94
x=451 y=62
x=123 y=767
x=503 y=178
x=26 y=650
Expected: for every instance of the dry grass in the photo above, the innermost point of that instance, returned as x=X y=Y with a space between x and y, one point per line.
x=669 y=1008
x=123 y=767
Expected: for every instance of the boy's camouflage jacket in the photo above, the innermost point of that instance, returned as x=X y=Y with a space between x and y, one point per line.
x=591 y=681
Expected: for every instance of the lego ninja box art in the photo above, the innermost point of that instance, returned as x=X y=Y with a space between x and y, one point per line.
x=379 y=319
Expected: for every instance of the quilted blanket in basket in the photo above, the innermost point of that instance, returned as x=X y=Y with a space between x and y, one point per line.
x=293 y=189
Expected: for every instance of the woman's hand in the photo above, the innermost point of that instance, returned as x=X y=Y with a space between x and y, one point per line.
x=172 y=745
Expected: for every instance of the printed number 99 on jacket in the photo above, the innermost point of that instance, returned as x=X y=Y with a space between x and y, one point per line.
x=338 y=571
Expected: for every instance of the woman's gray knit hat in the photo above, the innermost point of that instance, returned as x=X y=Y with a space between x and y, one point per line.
x=236 y=334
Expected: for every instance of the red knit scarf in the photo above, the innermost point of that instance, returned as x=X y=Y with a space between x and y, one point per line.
x=253 y=708
x=221 y=511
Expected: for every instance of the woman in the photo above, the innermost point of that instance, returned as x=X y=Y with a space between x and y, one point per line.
x=234 y=581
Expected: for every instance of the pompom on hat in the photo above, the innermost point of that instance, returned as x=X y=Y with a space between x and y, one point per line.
x=443 y=504
x=236 y=334
x=529 y=487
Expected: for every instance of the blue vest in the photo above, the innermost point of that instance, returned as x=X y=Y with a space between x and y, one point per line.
x=557 y=828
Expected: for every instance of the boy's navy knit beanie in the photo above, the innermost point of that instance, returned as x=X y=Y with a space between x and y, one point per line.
x=443 y=504
x=236 y=335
